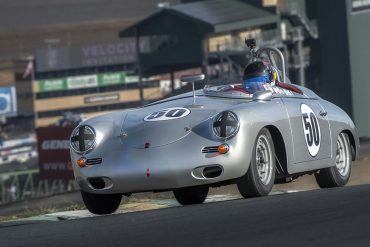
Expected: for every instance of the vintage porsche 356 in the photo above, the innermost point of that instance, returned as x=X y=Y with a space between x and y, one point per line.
x=220 y=135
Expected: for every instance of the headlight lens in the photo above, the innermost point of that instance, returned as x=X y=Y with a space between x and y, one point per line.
x=83 y=139
x=226 y=125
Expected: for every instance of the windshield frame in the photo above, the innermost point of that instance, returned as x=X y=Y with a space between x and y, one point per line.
x=226 y=91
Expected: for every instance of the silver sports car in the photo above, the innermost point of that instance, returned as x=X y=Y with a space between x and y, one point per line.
x=254 y=133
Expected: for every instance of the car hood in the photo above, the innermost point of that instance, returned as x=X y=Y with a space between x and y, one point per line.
x=142 y=128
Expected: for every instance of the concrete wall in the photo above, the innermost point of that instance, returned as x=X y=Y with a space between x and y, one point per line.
x=344 y=58
x=335 y=73
x=358 y=23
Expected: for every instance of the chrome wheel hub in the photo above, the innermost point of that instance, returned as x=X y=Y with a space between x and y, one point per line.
x=342 y=160
x=264 y=159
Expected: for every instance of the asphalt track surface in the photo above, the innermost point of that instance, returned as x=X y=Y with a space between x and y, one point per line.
x=329 y=217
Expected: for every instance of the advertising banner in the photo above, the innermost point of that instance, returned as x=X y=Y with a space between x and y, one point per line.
x=8 y=101
x=53 y=84
x=75 y=82
x=109 y=53
x=53 y=149
x=82 y=81
x=111 y=78
x=101 y=98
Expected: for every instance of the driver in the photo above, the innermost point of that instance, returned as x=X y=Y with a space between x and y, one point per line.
x=256 y=75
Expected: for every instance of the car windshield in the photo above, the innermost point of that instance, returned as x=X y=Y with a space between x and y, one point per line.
x=227 y=88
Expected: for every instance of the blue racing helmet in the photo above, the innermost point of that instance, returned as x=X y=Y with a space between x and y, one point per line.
x=256 y=74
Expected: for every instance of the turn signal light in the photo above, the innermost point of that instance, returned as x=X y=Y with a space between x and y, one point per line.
x=81 y=162
x=223 y=148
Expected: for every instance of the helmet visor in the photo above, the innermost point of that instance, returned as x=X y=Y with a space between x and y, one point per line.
x=255 y=84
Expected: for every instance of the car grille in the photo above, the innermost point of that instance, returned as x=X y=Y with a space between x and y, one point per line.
x=212 y=149
x=95 y=161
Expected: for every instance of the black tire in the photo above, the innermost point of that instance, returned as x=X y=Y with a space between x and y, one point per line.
x=192 y=195
x=338 y=175
x=101 y=203
x=253 y=183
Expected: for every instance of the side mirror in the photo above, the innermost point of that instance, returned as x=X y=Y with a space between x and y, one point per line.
x=192 y=79
x=265 y=95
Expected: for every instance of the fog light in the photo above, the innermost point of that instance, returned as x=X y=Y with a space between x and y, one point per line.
x=81 y=162
x=223 y=148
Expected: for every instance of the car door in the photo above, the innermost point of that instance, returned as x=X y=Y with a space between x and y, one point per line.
x=310 y=129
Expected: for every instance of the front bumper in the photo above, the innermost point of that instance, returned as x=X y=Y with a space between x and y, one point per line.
x=176 y=165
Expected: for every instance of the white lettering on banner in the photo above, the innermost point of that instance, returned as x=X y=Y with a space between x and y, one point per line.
x=55 y=145
x=56 y=83
x=82 y=81
x=121 y=48
x=52 y=58
x=56 y=166
x=108 y=50
x=111 y=49
x=111 y=77
x=93 y=61
x=101 y=98
x=61 y=58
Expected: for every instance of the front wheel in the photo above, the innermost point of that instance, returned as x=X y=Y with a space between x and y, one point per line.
x=259 y=179
x=339 y=174
x=101 y=203
x=192 y=195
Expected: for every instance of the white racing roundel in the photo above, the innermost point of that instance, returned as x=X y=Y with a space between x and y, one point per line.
x=167 y=114
x=311 y=129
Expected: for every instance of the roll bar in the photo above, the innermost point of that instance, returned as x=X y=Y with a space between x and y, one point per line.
x=251 y=43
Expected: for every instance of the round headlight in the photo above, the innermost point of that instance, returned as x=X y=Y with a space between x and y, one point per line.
x=226 y=125
x=83 y=139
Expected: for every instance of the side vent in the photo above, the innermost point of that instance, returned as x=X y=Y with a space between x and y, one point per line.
x=207 y=150
x=95 y=161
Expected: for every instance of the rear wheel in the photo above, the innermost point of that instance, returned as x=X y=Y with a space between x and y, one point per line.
x=259 y=179
x=192 y=195
x=101 y=203
x=339 y=174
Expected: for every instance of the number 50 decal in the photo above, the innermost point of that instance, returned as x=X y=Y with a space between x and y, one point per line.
x=167 y=114
x=311 y=129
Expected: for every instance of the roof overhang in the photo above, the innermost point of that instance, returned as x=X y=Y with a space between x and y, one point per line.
x=131 y=31
x=210 y=22
x=225 y=27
